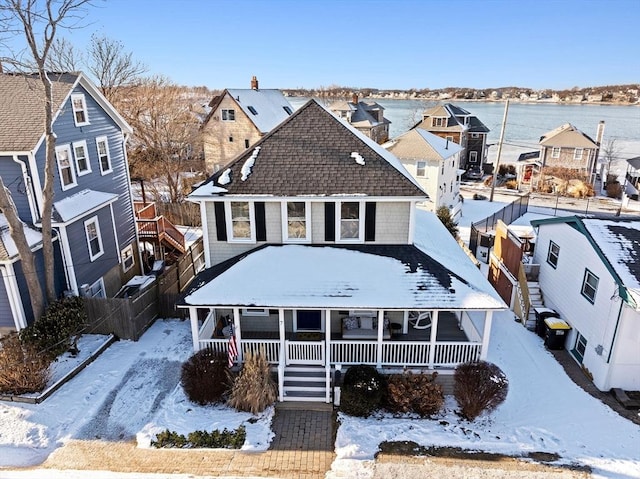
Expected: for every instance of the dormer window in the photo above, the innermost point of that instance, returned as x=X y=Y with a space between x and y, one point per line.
x=438 y=121
x=228 y=115
x=79 y=107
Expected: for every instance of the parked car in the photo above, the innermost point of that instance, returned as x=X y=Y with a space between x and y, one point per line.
x=473 y=173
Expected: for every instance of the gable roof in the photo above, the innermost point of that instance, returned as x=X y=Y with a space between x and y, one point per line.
x=22 y=114
x=8 y=248
x=567 y=135
x=451 y=113
x=361 y=116
x=617 y=243
x=313 y=153
x=265 y=108
x=418 y=144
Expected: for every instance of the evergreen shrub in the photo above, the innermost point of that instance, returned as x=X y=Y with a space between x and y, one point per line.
x=224 y=439
x=362 y=392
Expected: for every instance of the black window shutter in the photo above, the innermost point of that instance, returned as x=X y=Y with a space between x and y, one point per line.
x=221 y=224
x=370 y=221
x=261 y=222
x=329 y=221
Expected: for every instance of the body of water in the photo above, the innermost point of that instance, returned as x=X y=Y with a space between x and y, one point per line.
x=527 y=122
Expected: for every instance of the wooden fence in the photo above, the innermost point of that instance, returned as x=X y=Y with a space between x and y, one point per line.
x=128 y=318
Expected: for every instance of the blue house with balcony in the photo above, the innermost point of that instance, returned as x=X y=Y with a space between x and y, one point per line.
x=95 y=237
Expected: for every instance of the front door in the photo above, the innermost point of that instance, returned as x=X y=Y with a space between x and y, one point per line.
x=309 y=320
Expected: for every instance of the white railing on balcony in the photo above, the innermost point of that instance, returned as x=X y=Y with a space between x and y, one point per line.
x=268 y=348
x=452 y=353
x=305 y=352
x=354 y=352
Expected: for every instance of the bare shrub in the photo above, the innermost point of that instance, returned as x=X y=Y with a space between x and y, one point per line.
x=204 y=377
x=614 y=189
x=479 y=387
x=362 y=390
x=254 y=389
x=511 y=185
x=23 y=369
x=417 y=393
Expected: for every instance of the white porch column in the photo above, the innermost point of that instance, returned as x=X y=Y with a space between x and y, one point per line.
x=432 y=338
x=195 y=327
x=327 y=338
x=282 y=333
x=405 y=322
x=380 y=337
x=486 y=332
x=237 y=331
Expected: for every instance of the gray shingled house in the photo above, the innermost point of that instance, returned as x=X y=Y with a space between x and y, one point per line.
x=94 y=227
x=365 y=116
x=311 y=259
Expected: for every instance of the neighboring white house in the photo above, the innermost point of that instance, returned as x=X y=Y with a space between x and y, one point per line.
x=590 y=274
x=310 y=255
x=435 y=164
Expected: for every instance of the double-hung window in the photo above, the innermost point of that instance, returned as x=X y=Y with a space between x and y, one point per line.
x=79 y=107
x=350 y=221
x=102 y=145
x=580 y=347
x=228 y=115
x=240 y=221
x=128 y=259
x=555 y=152
x=577 y=154
x=553 y=254
x=65 y=167
x=589 y=286
x=81 y=155
x=94 y=240
x=421 y=169
x=297 y=221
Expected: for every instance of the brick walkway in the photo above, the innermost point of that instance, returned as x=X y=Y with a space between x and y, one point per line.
x=301 y=449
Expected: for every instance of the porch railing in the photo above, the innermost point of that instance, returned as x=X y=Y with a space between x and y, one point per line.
x=451 y=353
x=305 y=352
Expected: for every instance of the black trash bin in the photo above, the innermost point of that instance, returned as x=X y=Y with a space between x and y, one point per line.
x=556 y=333
x=543 y=313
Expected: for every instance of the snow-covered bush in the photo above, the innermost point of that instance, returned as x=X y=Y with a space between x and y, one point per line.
x=204 y=378
x=362 y=391
x=417 y=393
x=254 y=389
x=478 y=387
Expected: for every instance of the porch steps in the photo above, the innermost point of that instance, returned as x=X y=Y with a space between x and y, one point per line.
x=304 y=383
x=536 y=300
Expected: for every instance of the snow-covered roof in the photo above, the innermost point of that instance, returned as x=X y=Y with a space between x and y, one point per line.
x=266 y=108
x=8 y=249
x=420 y=144
x=80 y=204
x=370 y=277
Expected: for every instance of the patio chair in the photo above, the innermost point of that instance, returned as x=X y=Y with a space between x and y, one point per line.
x=420 y=320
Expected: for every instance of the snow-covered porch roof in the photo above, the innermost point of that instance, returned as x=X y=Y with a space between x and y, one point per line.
x=344 y=277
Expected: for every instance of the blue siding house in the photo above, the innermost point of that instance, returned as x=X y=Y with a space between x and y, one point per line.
x=93 y=218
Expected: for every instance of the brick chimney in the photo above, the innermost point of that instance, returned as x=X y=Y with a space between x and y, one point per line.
x=254 y=83
x=354 y=99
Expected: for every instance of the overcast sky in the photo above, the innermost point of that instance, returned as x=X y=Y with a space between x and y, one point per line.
x=386 y=44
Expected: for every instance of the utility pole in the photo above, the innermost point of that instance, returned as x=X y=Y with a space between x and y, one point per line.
x=495 y=169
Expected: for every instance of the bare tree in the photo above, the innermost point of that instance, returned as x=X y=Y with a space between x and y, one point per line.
x=610 y=152
x=165 y=133
x=112 y=67
x=16 y=229
x=64 y=57
x=39 y=21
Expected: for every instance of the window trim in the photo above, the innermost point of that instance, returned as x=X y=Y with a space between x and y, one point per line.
x=361 y=221
x=589 y=274
x=228 y=114
x=555 y=152
x=578 y=154
x=424 y=168
x=551 y=254
x=285 y=222
x=229 y=223
x=66 y=148
x=438 y=121
x=81 y=97
x=93 y=220
x=255 y=312
x=473 y=157
x=100 y=284
x=577 y=353
x=126 y=254
x=101 y=139
x=83 y=144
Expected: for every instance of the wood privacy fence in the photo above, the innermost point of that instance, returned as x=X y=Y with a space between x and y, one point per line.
x=129 y=317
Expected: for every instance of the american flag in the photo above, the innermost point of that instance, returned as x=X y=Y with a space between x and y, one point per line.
x=233 y=348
